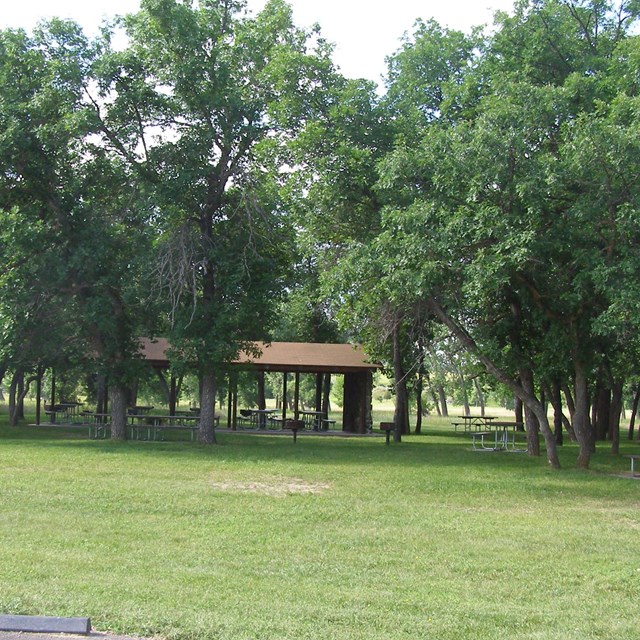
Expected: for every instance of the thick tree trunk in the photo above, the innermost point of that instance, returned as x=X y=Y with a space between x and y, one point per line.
x=401 y=415
x=581 y=423
x=118 y=396
x=531 y=401
x=262 y=401
x=530 y=419
x=206 y=431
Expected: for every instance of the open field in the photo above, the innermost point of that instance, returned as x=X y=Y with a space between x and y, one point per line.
x=331 y=538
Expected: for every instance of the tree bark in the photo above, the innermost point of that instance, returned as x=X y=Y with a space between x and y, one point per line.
x=531 y=421
x=581 y=423
x=206 y=431
x=118 y=396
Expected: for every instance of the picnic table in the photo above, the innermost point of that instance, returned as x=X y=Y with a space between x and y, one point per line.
x=312 y=419
x=150 y=427
x=501 y=436
x=472 y=423
x=259 y=417
x=65 y=411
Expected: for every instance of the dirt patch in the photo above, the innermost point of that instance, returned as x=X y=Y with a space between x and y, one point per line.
x=275 y=487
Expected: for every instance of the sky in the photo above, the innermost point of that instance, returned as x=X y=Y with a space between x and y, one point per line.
x=364 y=32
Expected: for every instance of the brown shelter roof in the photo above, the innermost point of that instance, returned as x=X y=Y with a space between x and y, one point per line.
x=283 y=356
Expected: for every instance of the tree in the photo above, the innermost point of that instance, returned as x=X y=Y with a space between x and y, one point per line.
x=505 y=224
x=72 y=235
x=199 y=104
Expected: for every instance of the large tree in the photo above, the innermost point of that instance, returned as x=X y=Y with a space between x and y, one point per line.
x=71 y=217
x=516 y=225
x=199 y=104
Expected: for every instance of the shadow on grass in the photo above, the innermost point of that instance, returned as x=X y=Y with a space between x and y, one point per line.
x=438 y=448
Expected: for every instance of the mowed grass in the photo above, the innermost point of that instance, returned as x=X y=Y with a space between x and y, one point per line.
x=258 y=538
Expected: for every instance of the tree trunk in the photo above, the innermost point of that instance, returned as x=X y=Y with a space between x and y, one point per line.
x=206 y=431
x=463 y=389
x=433 y=395
x=13 y=398
x=518 y=410
x=569 y=401
x=530 y=419
x=419 y=386
x=634 y=412
x=118 y=396
x=614 y=416
x=443 y=401
x=3 y=371
x=480 y=396
x=20 y=399
x=601 y=411
x=318 y=402
x=262 y=401
x=101 y=394
x=581 y=424
x=531 y=401
x=326 y=394
x=555 y=397
x=19 y=391
x=401 y=415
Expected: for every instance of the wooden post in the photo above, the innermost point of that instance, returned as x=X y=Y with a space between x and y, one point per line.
x=38 y=394
x=296 y=397
x=284 y=397
x=173 y=396
x=234 y=416
x=229 y=401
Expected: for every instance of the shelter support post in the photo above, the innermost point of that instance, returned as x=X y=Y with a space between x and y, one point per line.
x=357 y=400
x=296 y=397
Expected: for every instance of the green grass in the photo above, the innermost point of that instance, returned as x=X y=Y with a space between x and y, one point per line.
x=331 y=538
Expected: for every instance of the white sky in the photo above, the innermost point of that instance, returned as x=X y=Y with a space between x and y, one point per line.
x=364 y=31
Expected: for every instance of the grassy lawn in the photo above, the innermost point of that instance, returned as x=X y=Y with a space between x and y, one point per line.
x=331 y=538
